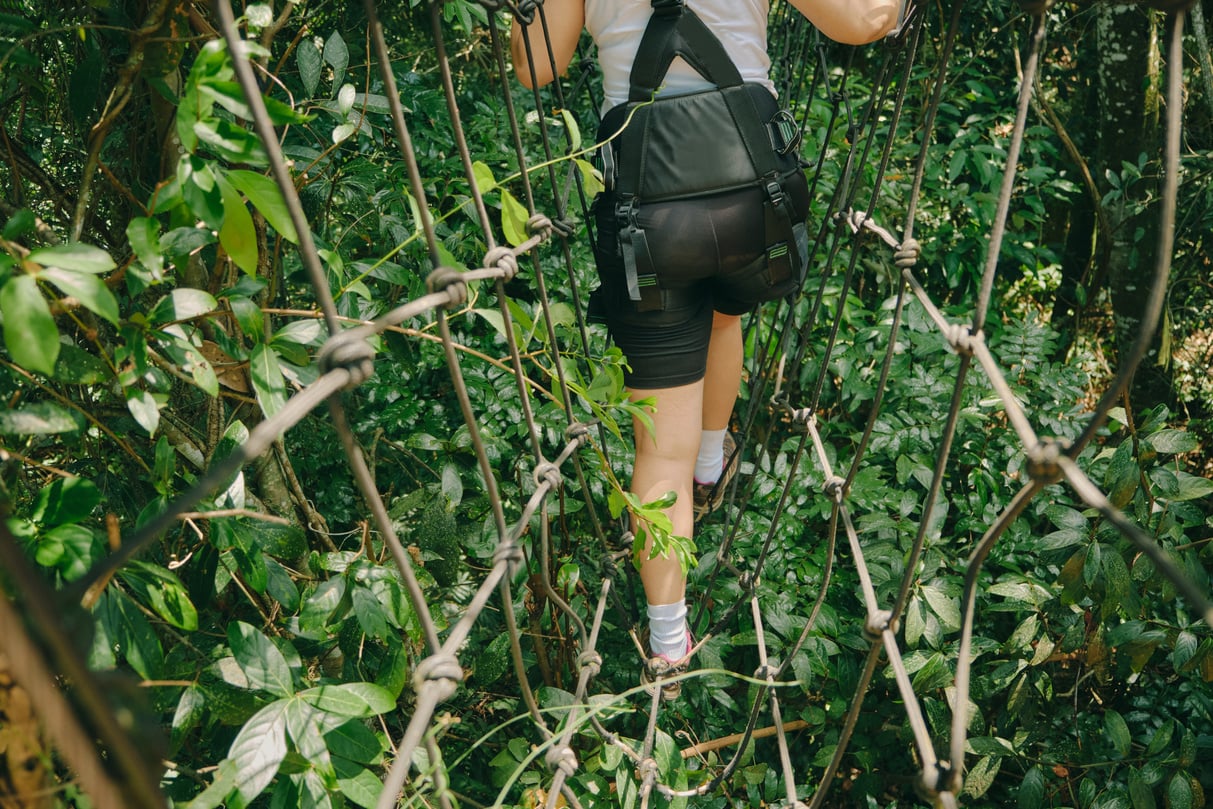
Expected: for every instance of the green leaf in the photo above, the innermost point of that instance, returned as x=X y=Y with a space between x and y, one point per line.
x=945 y=607
x=483 y=175
x=238 y=236
x=182 y=304
x=357 y=700
x=143 y=407
x=1032 y=789
x=40 y=418
x=66 y=500
x=144 y=235
x=305 y=726
x=1179 y=791
x=88 y=289
x=570 y=123
x=71 y=549
x=354 y=741
x=981 y=775
x=132 y=634
x=1118 y=733
x=258 y=749
x=260 y=660
x=29 y=330
x=1174 y=441
x=343 y=132
x=164 y=592
x=1140 y=793
x=1192 y=487
x=267 y=379
x=19 y=224
x=362 y=789
x=217 y=793
x=75 y=256
x=307 y=57
x=266 y=198
x=513 y=219
x=78 y=367
x=1161 y=738
x=338 y=56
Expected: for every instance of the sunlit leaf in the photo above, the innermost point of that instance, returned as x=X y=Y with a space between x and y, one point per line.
x=30 y=333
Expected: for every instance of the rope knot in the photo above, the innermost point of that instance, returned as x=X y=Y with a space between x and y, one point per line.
x=351 y=353
x=766 y=672
x=962 y=339
x=647 y=771
x=548 y=473
x=503 y=259
x=877 y=623
x=525 y=12
x=578 y=431
x=748 y=582
x=561 y=758
x=590 y=661
x=907 y=254
x=450 y=281
x=541 y=226
x=510 y=554
x=802 y=419
x=1044 y=461
x=934 y=781
x=834 y=486
x=565 y=227
x=440 y=668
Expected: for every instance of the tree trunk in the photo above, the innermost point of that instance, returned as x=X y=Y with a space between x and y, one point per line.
x=1128 y=140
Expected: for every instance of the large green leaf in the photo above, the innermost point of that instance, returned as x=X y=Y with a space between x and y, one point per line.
x=40 y=418
x=66 y=500
x=142 y=405
x=1118 y=733
x=143 y=232
x=238 y=236
x=1032 y=789
x=356 y=700
x=268 y=383
x=74 y=256
x=307 y=56
x=258 y=749
x=260 y=660
x=88 y=289
x=29 y=330
x=266 y=198
x=182 y=304
x=355 y=741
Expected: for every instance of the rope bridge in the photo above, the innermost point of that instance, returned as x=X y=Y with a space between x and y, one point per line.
x=783 y=416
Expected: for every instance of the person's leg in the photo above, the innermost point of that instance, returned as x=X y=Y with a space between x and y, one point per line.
x=721 y=385
x=665 y=461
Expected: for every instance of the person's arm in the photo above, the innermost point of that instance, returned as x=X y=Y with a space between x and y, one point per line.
x=565 y=20
x=851 y=22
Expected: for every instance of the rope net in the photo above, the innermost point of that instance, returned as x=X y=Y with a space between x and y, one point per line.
x=804 y=495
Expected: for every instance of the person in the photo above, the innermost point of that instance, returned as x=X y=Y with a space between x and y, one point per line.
x=687 y=356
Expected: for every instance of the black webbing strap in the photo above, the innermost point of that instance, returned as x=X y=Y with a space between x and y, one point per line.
x=638 y=266
x=675 y=30
x=783 y=254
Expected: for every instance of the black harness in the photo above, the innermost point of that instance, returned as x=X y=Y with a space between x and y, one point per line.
x=682 y=147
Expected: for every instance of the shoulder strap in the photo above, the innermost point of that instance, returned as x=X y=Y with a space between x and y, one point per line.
x=675 y=30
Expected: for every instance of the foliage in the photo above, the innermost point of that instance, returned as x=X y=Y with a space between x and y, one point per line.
x=272 y=627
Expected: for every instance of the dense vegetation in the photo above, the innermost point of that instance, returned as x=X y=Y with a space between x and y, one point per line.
x=155 y=309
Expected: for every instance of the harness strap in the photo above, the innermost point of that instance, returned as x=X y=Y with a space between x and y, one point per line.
x=638 y=267
x=675 y=30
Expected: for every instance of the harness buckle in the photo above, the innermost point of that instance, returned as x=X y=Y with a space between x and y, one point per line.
x=784 y=131
x=774 y=191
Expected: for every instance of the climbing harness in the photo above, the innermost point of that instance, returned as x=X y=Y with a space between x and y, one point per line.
x=718 y=141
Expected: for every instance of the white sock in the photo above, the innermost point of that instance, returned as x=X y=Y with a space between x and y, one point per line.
x=668 y=629
x=710 y=462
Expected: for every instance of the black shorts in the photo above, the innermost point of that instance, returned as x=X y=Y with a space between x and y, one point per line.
x=710 y=255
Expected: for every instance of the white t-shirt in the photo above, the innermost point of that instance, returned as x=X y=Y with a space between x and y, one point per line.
x=617 y=26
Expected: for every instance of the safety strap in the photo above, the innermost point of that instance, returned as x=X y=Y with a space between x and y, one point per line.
x=675 y=30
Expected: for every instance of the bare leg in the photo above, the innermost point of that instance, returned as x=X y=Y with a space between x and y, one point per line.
x=665 y=461
x=723 y=379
